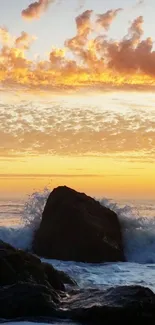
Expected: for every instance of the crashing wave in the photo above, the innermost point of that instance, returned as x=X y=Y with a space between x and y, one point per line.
x=138 y=231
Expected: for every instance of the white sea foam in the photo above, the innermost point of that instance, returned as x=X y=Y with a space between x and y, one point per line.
x=138 y=230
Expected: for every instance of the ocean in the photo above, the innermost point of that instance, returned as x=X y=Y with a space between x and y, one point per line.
x=19 y=219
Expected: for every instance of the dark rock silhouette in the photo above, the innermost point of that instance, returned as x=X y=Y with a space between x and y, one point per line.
x=26 y=300
x=34 y=291
x=76 y=227
x=111 y=306
x=18 y=266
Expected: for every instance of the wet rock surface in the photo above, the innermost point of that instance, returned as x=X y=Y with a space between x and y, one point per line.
x=75 y=227
x=35 y=291
x=19 y=266
x=126 y=303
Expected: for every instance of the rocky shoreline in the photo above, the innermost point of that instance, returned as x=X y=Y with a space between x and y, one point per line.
x=76 y=227
x=35 y=291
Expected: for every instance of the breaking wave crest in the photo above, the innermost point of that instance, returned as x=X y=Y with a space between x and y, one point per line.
x=138 y=231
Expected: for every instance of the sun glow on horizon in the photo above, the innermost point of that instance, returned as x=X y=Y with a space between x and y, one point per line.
x=102 y=144
x=82 y=111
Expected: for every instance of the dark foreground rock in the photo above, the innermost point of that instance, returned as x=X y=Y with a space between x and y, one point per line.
x=76 y=227
x=27 y=300
x=18 y=266
x=24 y=300
x=111 y=306
x=35 y=291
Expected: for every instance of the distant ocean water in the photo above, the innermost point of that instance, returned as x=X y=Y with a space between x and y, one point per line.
x=18 y=220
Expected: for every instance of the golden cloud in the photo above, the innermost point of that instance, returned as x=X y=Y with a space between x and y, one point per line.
x=85 y=60
x=105 y=20
x=4 y=35
x=36 y=9
x=24 y=41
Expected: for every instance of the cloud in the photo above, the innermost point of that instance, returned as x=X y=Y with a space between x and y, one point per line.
x=136 y=30
x=88 y=59
x=27 y=176
x=136 y=168
x=68 y=129
x=24 y=41
x=106 y=19
x=81 y=4
x=34 y=176
x=84 y=28
x=4 y=35
x=36 y=9
x=13 y=61
x=139 y=3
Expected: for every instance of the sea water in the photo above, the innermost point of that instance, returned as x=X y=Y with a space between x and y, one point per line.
x=19 y=219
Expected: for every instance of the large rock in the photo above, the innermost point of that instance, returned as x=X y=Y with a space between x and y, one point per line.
x=76 y=227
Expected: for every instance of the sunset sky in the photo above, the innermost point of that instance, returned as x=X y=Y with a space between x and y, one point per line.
x=77 y=97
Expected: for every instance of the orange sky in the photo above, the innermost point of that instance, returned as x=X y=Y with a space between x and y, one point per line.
x=90 y=58
x=103 y=144
x=82 y=114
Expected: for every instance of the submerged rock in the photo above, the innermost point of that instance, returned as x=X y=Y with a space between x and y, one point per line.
x=76 y=227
